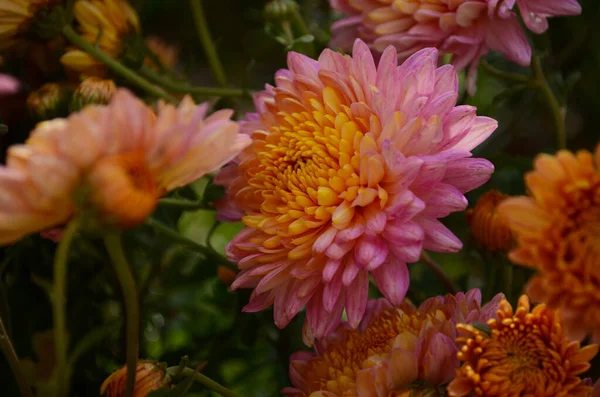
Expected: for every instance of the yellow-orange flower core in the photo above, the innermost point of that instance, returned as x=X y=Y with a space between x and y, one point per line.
x=149 y=377
x=558 y=233
x=489 y=228
x=525 y=354
x=123 y=188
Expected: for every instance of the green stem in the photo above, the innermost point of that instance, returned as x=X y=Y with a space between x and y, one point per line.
x=173 y=86
x=112 y=241
x=183 y=204
x=11 y=356
x=208 y=382
x=303 y=29
x=206 y=251
x=508 y=281
x=514 y=77
x=59 y=301
x=438 y=271
x=115 y=65
x=558 y=111
x=207 y=42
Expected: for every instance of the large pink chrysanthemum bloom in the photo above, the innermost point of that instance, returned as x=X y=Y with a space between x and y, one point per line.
x=114 y=161
x=465 y=28
x=393 y=348
x=350 y=167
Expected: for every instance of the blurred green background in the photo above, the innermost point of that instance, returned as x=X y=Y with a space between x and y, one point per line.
x=186 y=308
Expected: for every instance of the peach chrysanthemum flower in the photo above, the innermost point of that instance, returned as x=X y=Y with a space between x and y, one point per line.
x=557 y=229
x=490 y=228
x=114 y=160
x=107 y=22
x=149 y=377
x=465 y=28
x=393 y=348
x=350 y=167
x=525 y=354
x=17 y=18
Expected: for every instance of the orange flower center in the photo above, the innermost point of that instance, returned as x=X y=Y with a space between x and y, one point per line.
x=123 y=188
x=314 y=167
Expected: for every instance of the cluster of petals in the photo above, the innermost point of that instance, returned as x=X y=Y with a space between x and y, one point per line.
x=524 y=353
x=120 y=157
x=393 y=348
x=350 y=168
x=557 y=228
x=467 y=29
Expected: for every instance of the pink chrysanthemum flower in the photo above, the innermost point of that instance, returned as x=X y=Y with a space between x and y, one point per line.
x=465 y=28
x=116 y=160
x=393 y=348
x=350 y=167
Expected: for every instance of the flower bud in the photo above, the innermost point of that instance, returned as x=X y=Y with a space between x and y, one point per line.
x=226 y=274
x=49 y=101
x=150 y=376
x=489 y=228
x=279 y=10
x=92 y=90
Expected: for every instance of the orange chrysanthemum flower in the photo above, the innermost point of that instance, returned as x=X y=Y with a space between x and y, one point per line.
x=107 y=22
x=149 y=377
x=526 y=354
x=112 y=161
x=392 y=348
x=558 y=233
x=489 y=228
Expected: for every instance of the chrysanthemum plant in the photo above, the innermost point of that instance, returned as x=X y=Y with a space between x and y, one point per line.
x=300 y=227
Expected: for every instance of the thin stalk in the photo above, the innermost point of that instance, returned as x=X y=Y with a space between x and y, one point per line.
x=559 y=112
x=508 y=280
x=59 y=301
x=207 y=251
x=438 y=271
x=514 y=77
x=173 y=86
x=114 y=65
x=207 y=42
x=303 y=29
x=13 y=360
x=183 y=204
x=208 y=382
x=112 y=241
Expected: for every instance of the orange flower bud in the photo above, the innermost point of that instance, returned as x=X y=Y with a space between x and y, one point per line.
x=149 y=377
x=490 y=228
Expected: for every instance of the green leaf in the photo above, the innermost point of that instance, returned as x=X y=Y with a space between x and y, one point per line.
x=196 y=225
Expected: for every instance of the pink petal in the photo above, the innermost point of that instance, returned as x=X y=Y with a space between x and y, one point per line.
x=392 y=279
x=438 y=237
x=507 y=37
x=356 y=298
x=468 y=174
x=370 y=252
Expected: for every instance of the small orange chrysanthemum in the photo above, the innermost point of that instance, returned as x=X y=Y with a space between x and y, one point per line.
x=149 y=377
x=558 y=233
x=489 y=228
x=526 y=354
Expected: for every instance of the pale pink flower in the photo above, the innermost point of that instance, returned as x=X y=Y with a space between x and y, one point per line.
x=393 y=348
x=350 y=167
x=467 y=29
x=114 y=161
